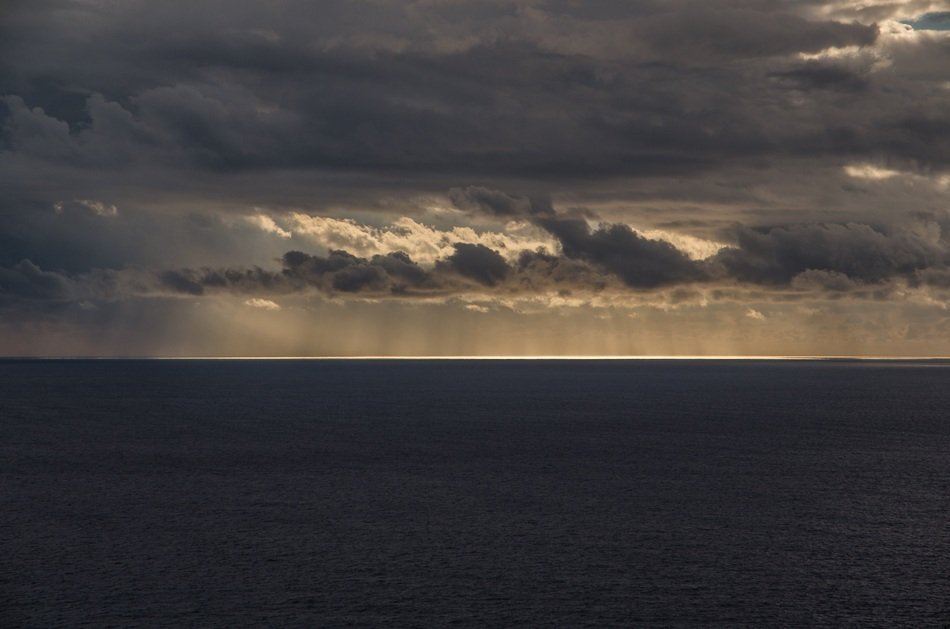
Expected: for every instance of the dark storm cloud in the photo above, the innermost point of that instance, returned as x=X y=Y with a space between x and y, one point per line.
x=858 y=252
x=815 y=75
x=182 y=282
x=702 y=31
x=539 y=271
x=426 y=90
x=281 y=104
x=938 y=21
x=341 y=271
x=470 y=269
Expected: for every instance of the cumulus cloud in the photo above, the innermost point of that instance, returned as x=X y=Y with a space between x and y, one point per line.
x=263 y=304
x=933 y=21
x=423 y=243
x=495 y=202
x=640 y=262
x=860 y=252
x=585 y=259
x=870 y=11
x=869 y=171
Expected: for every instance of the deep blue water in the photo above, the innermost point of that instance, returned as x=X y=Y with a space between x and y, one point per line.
x=486 y=493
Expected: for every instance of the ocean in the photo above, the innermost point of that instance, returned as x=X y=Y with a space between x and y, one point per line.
x=376 y=493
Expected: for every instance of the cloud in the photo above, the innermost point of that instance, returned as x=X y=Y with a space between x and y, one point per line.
x=423 y=243
x=579 y=113
x=99 y=208
x=263 y=304
x=550 y=152
x=824 y=280
x=585 y=259
x=935 y=21
x=607 y=258
x=183 y=282
x=267 y=224
x=31 y=132
x=869 y=171
x=494 y=202
x=877 y=10
x=477 y=262
x=824 y=76
x=27 y=281
x=343 y=272
x=860 y=252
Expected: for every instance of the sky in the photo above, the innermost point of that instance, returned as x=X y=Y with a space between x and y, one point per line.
x=474 y=177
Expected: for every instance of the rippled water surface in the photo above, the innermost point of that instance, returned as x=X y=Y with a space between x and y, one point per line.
x=503 y=493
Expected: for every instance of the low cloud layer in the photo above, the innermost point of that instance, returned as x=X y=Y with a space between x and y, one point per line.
x=587 y=257
x=824 y=256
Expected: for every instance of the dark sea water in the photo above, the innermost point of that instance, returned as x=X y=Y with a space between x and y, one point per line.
x=474 y=493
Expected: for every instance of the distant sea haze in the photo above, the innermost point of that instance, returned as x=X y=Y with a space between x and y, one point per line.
x=576 y=493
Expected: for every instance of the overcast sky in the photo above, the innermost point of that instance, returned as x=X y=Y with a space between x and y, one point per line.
x=464 y=177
